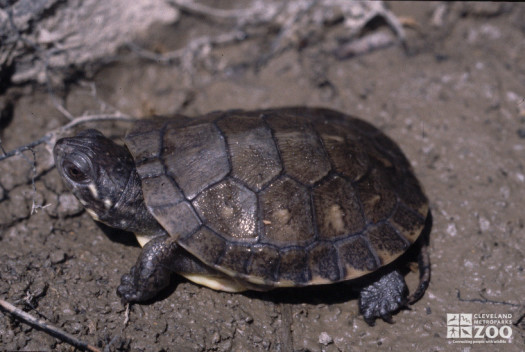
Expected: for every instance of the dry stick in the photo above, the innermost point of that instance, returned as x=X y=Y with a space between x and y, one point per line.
x=53 y=135
x=23 y=148
x=194 y=45
x=42 y=325
x=204 y=10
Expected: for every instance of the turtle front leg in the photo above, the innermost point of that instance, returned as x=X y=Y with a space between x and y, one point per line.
x=383 y=297
x=152 y=271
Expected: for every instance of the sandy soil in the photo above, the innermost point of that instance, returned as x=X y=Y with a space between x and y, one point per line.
x=454 y=103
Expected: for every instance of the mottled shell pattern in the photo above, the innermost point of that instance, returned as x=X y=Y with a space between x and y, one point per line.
x=280 y=197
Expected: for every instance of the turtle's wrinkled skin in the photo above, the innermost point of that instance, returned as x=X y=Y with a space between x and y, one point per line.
x=238 y=200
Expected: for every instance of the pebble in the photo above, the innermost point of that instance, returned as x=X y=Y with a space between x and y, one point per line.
x=57 y=257
x=68 y=205
x=325 y=339
x=216 y=338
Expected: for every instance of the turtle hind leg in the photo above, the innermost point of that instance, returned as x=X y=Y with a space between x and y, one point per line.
x=383 y=297
x=151 y=273
x=423 y=263
x=424 y=275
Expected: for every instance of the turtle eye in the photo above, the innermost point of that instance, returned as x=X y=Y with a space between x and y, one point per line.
x=75 y=174
x=77 y=171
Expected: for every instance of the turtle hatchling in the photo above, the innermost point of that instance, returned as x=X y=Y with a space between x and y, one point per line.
x=255 y=200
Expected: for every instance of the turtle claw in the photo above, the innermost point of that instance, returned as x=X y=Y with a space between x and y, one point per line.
x=383 y=297
x=387 y=317
x=127 y=290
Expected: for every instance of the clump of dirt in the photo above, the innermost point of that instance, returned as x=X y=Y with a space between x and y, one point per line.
x=454 y=102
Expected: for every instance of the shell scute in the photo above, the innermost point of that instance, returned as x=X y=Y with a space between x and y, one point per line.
x=286 y=213
x=195 y=156
x=255 y=159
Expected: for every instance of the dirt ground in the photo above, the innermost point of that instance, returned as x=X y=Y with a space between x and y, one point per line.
x=455 y=103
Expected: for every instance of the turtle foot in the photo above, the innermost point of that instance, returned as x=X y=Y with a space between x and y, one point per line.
x=383 y=297
x=129 y=291
x=150 y=274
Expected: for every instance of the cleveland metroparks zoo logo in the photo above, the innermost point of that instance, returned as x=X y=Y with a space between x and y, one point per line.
x=479 y=328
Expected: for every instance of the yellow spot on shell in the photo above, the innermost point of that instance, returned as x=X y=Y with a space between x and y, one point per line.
x=333 y=138
x=376 y=198
x=283 y=216
x=334 y=217
x=227 y=212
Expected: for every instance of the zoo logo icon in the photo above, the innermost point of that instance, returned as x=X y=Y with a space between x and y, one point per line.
x=459 y=325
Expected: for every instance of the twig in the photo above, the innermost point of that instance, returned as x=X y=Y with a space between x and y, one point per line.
x=367 y=44
x=34 y=206
x=44 y=326
x=92 y=118
x=204 y=10
x=54 y=99
x=23 y=148
x=259 y=12
x=126 y=315
x=193 y=47
x=51 y=137
x=104 y=106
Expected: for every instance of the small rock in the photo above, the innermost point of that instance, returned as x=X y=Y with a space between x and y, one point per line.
x=226 y=345
x=266 y=344
x=57 y=257
x=15 y=172
x=325 y=339
x=68 y=205
x=452 y=230
x=248 y=319
x=21 y=200
x=484 y=224
x=216 y=338
x=76 y=327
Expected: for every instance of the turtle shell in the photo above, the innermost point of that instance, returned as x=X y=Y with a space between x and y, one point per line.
x=280 y=197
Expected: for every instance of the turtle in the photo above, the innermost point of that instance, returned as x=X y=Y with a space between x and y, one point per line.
x=242 y=200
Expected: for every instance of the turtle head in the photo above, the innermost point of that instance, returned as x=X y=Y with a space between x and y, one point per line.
x=102 y=175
